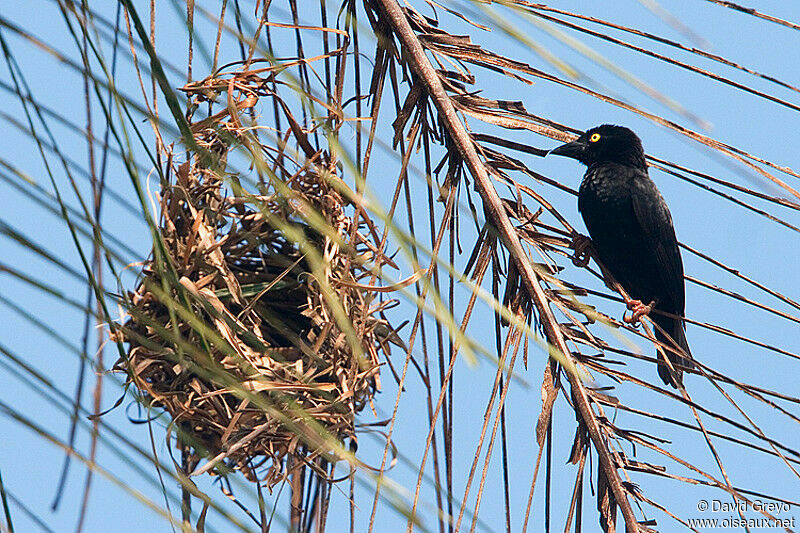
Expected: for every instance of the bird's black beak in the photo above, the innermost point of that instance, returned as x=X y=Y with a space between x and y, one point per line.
x=575 y=150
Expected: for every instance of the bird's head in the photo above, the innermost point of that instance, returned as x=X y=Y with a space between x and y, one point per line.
x=605 y=144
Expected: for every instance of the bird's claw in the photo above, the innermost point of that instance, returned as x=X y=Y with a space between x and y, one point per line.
x=638 y=310
x=582 y=246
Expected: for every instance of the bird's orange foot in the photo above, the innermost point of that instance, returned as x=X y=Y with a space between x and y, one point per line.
x=582 y=246
x=638 y=310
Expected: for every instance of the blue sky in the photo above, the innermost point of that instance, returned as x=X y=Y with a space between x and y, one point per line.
x=745 y=240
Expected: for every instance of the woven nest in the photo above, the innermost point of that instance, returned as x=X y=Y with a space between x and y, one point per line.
x=263 y=369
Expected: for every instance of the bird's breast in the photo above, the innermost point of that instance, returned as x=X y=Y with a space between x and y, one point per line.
x=605 y=203
x=604 y=199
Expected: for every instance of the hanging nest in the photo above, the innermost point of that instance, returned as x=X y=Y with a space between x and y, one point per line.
x=255 y=330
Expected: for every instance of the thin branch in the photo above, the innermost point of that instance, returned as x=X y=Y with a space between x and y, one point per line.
x=495 y=210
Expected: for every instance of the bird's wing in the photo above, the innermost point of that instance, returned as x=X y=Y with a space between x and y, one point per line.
x=655 y=220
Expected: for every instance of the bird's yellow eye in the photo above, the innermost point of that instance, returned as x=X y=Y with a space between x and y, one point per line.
x=594 y=138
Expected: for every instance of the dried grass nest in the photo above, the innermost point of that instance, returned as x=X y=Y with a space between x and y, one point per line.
x=260 y=322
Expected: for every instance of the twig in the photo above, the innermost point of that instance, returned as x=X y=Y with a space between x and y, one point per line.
x=495 y=211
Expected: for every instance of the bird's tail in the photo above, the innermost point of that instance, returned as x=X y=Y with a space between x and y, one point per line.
x=677 y=335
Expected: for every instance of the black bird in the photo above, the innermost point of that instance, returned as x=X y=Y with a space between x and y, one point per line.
x=632 y=233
